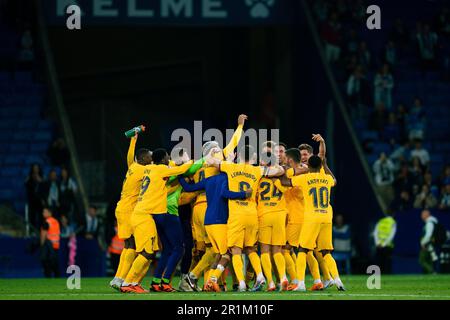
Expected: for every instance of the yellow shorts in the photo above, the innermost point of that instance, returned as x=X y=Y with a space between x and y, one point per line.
x=272 y=228
x=217 y=234
x=293 y=231
x=198 y=222
x=242 y=231
x=316 y=235
x=145 y=234
x=124 y=228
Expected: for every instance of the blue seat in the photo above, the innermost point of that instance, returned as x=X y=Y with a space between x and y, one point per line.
x=29 y=160
x=6 y=194
x=42 y=136
x=23 y=136
x=11 y=171
x=19 y=148
x=28 y=123
x=369 y=135
x=40 y=147
x=23 y=77
x=14 y=160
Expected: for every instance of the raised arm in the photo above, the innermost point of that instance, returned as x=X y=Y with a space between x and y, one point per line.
x=322 y=147
x=277 y=183
x=272 y=171
x=191 y=171
x=236 y=136
x=131 y=149
x=174 y=171
x=191 y=187
x=285 y=181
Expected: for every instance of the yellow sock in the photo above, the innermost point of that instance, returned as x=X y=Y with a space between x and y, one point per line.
x=137 y=269
x=204 y=263
x=301 y=266
x=281 y=265
x=126 y=260
x=294 y=257
x=238 y=267
x=267 y=266
x=206 y=275
x=256 y=262
x=313 y=265
x=290 y=265
x=323 y=265
x=144 y=272
x=331 y=263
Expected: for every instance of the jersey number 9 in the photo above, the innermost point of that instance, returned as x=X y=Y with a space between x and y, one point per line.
x=144 y=185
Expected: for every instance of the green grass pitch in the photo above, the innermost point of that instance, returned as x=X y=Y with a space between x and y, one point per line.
x=397 y=287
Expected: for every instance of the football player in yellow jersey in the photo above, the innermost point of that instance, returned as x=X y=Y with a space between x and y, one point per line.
x=307 y=151
x=152 y=200
x=317 y=227
x=272 y=227
x=295 y=203
x=243 y=215
x=204 y=251
x=125 y=207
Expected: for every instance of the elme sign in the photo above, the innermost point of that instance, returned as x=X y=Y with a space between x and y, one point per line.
x=172 y=12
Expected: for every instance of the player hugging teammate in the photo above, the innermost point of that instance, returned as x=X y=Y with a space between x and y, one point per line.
x=275 y=215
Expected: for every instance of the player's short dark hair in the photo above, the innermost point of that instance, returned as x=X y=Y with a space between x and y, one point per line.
x=246 y=152
x=269 y=144
x=307 y=147
x=282 y=144
x=93 y=206
x=294 y=154
x=314 y=162
x=141 y=153
x=159 y=155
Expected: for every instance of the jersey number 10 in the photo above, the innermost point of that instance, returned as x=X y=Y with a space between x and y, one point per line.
x=322 y=200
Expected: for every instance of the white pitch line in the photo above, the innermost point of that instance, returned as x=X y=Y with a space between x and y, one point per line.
x=337 y=295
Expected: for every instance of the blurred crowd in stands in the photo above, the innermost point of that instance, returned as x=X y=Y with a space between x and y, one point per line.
x=402 y=170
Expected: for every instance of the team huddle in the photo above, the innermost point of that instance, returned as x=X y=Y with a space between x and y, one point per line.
x=271 y=210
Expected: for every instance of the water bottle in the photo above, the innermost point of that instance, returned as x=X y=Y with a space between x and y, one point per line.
x=130 y=133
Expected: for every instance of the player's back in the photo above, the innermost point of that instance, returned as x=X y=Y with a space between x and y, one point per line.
x=295 y=205
x=242 y=177
x=316 y=189
x=153 y=192
x=204 y=173
x=131 y=188
x=270 y=196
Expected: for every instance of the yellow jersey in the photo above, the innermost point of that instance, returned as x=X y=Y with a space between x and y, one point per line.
x=294 y=202
x=152 y=198
x=316 y=190
x=242 y=177
x=270 y=196
x=207 y=171
x=132 y=182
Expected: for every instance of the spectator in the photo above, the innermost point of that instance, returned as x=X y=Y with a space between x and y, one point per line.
x=401 y=154
x=390 y=53
x=90 y=225
x=427 y=42
x=352 y=42
x=416 y=171
x=58 y=153
x=428 y=257
x=341 y=235
x=26 y=54
x=403 y=202
x=68 y=189
x=383 y=84
x=356 y=92
x=364 y=55
x=50 y=192
x=33 y=187
x=416 y=121
x=68 y=229
x=420 y=153
x=331 y=34
x=425 y=199
x=445 y=176
x=378 y=118
x=445 y=199
x=443 y=21
x=384 y=177
x=384 y=235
